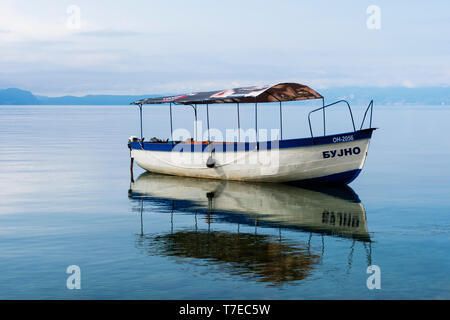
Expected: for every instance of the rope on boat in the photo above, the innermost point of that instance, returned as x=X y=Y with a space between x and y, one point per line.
x=216 y=166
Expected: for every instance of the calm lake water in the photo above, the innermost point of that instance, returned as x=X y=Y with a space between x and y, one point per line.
x=66 y=199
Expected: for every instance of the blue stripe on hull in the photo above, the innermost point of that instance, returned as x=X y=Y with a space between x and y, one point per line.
x=247 y=146
x=337 y=178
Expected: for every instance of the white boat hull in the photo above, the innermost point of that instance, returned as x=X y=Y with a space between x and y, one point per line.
x=326 y=162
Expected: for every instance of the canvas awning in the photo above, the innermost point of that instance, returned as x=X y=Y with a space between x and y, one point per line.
x=276 y=93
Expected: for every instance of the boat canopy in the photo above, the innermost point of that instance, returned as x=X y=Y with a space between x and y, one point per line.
x=276 y=93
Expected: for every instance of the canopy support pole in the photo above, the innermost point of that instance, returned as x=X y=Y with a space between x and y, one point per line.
x=323 y=105
x=194 y=107
x=140 y=115
x=281 y=122
x=207 y=121
x=256 y=122
x=281 y=116
x=171 y=124
x=239 y=123
x=195 y=124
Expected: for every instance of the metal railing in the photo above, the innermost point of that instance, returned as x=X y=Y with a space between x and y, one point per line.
x=370 y=106
x=323 y=108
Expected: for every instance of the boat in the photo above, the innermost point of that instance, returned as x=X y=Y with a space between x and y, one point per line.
x=327 y=158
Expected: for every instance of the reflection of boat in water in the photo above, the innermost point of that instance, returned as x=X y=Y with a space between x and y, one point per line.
x=328 y=210
x=271 y=259
x=263 y=257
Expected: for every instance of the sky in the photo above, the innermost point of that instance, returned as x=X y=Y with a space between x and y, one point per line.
x=82 y=47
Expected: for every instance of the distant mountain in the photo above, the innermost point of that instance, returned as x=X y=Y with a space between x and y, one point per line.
x=92 y=99
x=389 y=95
x=355 y=95
x=16 y=96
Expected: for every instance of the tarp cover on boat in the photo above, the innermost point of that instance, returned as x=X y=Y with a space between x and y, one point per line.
x=278 y=92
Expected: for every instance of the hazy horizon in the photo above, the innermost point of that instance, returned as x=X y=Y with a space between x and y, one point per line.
x=80 y=95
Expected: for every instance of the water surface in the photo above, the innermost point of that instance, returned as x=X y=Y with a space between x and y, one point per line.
x=66 y=199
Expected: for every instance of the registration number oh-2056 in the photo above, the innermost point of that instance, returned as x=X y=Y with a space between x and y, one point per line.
x=343 y=138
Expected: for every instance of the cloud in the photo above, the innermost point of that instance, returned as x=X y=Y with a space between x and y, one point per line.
x=118 y=50
x=108 y=33
x=408 y=84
